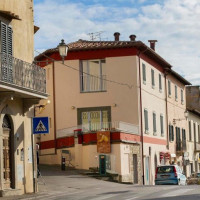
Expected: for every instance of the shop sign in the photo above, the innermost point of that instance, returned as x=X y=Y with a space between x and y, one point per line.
x=103 y=142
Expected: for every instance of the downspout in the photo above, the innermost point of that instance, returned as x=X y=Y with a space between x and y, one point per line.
x=167 y=118
x=142 y=137
x=54 y=107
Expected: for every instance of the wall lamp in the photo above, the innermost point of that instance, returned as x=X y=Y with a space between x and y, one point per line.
x=186 y=113
x=42 y=107
x=63 y=49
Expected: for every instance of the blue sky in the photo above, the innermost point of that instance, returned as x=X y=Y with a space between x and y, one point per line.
x=174 y=23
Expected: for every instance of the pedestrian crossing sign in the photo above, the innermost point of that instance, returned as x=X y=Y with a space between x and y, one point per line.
x=40 y=125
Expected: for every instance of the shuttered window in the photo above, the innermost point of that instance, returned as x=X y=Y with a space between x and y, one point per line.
x=161 y=125
x=160 y=82
x=169 y=88
x=152 y=78
x=144 y=73
x=199 y=133
x=176 y=92
x=146 y=120
x=182 y=100
x=171 y=133
x=154 y=123
x=6 y=52
x=190 y=131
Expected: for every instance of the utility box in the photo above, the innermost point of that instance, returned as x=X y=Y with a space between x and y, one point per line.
x=102 y=164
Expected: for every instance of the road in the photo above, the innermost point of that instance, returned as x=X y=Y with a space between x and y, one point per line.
x=70 y=185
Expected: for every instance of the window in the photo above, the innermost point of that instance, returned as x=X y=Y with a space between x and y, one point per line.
x=176 y=93
x=182 y=100
x=152 y=78
x=169 y=88
x=178 y=139
x=183 y=139
x=146 y=120
x=194 y=124
x=94 y=119
x=6 y=52
x=161 y=125
x=92 y=75
x=144 y=73
x=160 y=82
x=190 y=131
x=154 y=123
x=199 y=134
x=171 y=133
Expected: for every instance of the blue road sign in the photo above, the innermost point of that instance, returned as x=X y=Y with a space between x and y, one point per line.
x=40 y=125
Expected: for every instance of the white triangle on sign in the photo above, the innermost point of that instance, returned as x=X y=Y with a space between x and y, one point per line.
x=40 y=127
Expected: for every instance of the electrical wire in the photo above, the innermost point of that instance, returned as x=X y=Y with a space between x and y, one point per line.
x=108 y=80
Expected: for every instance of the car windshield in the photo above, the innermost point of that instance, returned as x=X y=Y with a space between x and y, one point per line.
x=165 y=169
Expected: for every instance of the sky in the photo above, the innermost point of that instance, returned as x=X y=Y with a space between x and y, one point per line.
x=174 y=23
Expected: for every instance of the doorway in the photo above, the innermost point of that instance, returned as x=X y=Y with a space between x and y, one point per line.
x=8 y=153
x=135 y=169
x=147 y=171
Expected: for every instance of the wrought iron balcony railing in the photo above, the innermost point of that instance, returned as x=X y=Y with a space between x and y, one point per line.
x=104 y=126
x=22 y=74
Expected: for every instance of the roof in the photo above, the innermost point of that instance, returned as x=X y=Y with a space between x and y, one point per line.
x=83 y=45
x=9 y=15
x=180 y=78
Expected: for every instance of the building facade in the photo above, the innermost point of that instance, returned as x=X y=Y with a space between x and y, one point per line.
x=22 y=84
x=115 y=86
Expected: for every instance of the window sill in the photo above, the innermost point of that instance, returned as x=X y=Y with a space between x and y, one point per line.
x=155 y=134
x=176 y=100
x=162 y=135
x=93 y=91
x=146 y=132
x=144 y=82
x=169 y=95
x=153 y=86
x=182 y=102
x=160 y=90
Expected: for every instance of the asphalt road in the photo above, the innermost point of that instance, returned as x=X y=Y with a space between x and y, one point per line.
x=70 y=185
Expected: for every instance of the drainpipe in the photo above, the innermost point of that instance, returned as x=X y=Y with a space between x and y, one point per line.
x=54 y=107
x=167 y=117
x=142 y=138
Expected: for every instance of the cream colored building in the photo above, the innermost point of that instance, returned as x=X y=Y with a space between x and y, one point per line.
x=22 y=84
x=118 y=86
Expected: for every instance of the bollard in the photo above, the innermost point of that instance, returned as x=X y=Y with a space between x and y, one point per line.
x=63 y=163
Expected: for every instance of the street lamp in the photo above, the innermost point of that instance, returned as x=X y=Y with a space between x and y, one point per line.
x=63 y=48
x=185 y=115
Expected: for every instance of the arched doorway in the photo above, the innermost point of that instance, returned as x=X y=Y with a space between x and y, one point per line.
x=8 y=153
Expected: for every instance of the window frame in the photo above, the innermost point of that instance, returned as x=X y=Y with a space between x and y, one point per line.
x=153 y=78
x=154 y=124
x=88 y=81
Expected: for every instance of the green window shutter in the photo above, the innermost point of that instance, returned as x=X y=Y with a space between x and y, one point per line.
x=170 y=133
x=169 y=88
x=172 y=128
x=161 y=125
x=146 y=120
x=152 y=78
x=3 y=38
x=144 y=72
x=160 y=82
x=190 y=134
x=154 y=122
x=9 y=41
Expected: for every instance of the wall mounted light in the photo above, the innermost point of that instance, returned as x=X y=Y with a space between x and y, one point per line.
x=185 y=115
x=114 y=105
x=73 y=107
x=63 y=49
x=42 y=107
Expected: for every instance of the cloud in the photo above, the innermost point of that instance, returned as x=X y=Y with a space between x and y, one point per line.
x=174 y=23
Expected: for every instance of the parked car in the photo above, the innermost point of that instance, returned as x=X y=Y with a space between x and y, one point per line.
x=170 y=174
x=194 y=178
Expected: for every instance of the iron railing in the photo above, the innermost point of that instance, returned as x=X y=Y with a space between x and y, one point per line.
x=91 y=83
x=103 y=126
x=22 y=74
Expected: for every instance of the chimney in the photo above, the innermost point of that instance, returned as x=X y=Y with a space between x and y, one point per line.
x=132 y=37
x=116 y=35
x=152 y=44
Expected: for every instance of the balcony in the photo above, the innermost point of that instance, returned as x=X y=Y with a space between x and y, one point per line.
x=22 y=77
x=181 y=146
x=197 y=147
x=93 y=83
x=117 y=126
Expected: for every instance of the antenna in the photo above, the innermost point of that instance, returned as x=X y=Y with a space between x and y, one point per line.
x=96 y=35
